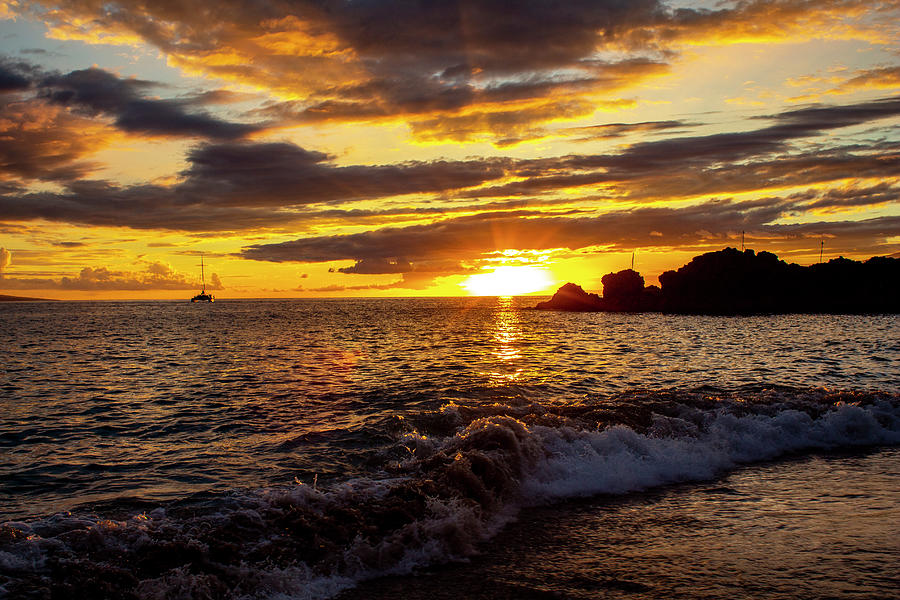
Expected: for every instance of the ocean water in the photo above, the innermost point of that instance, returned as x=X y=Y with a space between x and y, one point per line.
x=436 y=447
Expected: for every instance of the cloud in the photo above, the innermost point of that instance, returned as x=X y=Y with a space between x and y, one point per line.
x=769 y=21
x=738 y=161
x=432 y=61
x=98 y=92
x=472 y=238
x=696 y=175
x=803 y=121
x=880 y=78
x=250 y=185
x=336 y=288
x=505 y=127
x=5 y=259
x=157 y=276
x=413 y=280
x=372 y=266
x=608 y=131
x=850 y=197
x=46 y=142
x=465 y=111
x=94 y=92
x=243 y=186
x=14 y=76
x=285 y=174
x=49 y=122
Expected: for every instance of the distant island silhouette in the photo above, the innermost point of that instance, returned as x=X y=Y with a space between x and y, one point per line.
x=8 y=298
x=731 y=282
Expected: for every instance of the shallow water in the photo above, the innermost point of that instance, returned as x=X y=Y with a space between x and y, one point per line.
x=392 y=434
x=815 y=527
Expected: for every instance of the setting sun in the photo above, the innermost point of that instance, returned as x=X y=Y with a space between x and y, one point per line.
x=509 y=281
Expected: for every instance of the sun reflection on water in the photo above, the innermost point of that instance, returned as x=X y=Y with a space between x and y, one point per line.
x=506 y=348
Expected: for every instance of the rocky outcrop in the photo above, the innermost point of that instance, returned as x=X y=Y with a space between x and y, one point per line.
x=733 y=282
x=622 y=292
x=572 y=297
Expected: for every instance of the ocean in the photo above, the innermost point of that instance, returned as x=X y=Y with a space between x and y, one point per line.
x=444 y=448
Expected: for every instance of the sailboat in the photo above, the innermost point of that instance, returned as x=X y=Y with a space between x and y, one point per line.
x=203 y=296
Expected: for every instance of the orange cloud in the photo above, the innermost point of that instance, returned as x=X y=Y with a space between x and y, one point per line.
x=157 y=276
x=42 y=141
x=468 y=64
x=772 y=21
x=882 y=78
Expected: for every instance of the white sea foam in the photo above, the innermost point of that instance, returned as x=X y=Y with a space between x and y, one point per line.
x=618 y=460
x=446 y=494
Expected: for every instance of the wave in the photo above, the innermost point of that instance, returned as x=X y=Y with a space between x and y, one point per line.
x=453 y=478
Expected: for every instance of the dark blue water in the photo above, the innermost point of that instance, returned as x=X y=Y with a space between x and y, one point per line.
x=257 y=448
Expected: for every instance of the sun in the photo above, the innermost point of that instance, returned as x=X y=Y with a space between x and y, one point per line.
x=508 y=281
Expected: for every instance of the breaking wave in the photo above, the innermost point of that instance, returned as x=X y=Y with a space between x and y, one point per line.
x=451 y=480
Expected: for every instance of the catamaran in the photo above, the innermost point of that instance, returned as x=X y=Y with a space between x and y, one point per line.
x=203 y=296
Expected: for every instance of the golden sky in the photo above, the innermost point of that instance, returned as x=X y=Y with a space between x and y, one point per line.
x=393 y=148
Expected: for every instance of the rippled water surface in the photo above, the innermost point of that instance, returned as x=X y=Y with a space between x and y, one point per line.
x=826 y=526
x=431 y=421
x=156 y=399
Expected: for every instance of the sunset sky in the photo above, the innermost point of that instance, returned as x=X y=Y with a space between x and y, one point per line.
x=393 y=148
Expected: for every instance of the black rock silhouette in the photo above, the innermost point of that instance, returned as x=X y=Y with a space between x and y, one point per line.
x=731 y=282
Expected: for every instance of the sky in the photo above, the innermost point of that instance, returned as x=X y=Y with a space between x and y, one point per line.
x=436 y=148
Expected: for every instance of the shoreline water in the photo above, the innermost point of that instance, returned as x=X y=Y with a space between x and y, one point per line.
x=418 y=428
x=748 y=533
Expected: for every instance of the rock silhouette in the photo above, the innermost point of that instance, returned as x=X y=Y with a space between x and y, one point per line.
x=573 y=298
x=622 y=292
x=733 y=282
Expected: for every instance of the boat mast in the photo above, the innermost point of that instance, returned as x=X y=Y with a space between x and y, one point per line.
x=202 y=276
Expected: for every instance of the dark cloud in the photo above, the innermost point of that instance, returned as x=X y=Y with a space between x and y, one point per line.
x=285 y=174
x=428 y=60
x=671 y=179
x=716 y=163
x=491 y=35
x=45 y=142
x=235 y=171
x=851 y=197
x=618 y=130
x=371 y=59
x=140 y=207
x=14 y=76
x=95 y=91
x=435 y=107
x=803 y=121
x=50 y=126
x=231 y=186
x=468 y=238
x=471 y=237
x=373 y=266
x=245 y=185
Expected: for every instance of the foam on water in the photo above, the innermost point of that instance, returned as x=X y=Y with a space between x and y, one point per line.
x=450 y=481
x=697 y=446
